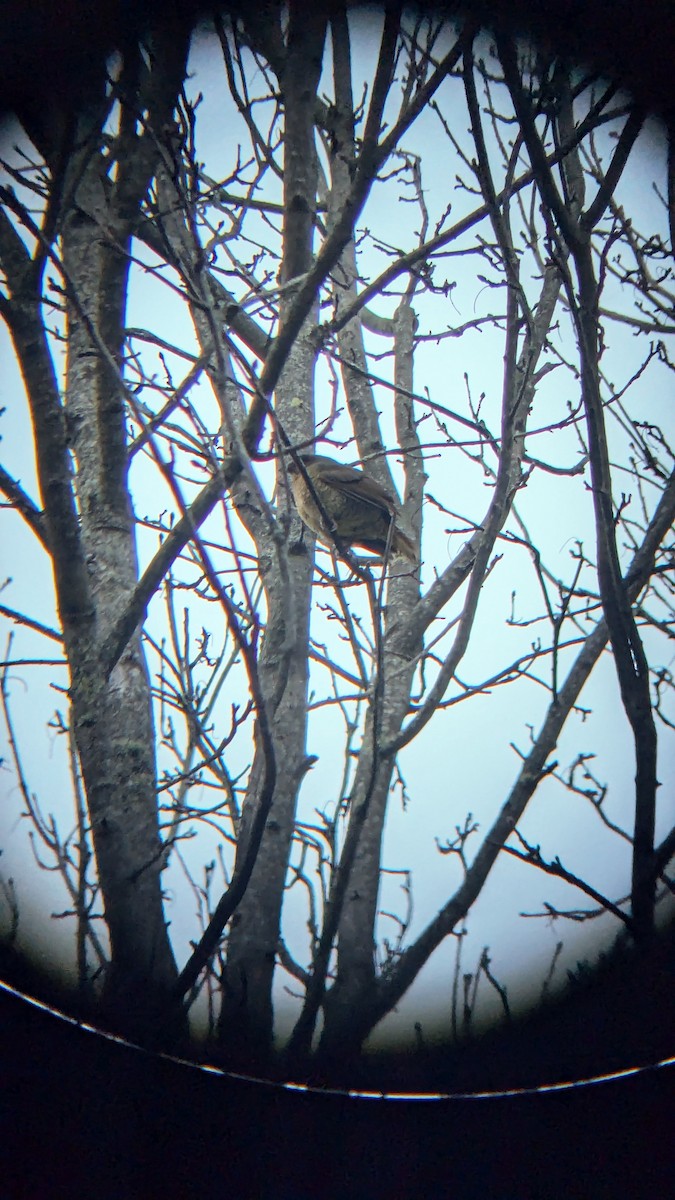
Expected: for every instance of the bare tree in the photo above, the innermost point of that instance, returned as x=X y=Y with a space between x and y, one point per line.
x=200 y=289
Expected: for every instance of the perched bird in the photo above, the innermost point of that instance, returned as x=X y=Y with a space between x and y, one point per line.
x=360 y=508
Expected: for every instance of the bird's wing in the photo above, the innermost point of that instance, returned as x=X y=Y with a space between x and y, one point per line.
x=356 y=484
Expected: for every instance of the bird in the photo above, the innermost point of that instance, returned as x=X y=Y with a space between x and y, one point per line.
x=358 y=511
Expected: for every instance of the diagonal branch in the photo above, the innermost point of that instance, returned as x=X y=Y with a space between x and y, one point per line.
x=427 y=249
x=184 y=529
x=387 y=990
x=22 y=503
x=532 y=854
x=21 y=619
x=373 y=155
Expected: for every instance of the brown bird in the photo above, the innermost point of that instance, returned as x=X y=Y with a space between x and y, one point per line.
x=360 y=509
